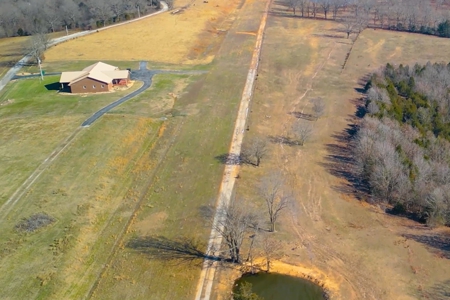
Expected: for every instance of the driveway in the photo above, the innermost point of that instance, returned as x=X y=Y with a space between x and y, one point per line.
x=143 y=74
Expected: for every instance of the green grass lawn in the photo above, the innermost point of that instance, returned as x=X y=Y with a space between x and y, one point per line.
x=35 y=121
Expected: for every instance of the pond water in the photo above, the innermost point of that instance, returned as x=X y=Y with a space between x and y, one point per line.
x=272 y=286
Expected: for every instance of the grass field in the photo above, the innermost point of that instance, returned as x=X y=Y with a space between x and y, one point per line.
x=362 y=252
x=13 y=49
x=35 y=121
x=91 y=189
x=189 y=37
x=128 y=173
x=187 y=180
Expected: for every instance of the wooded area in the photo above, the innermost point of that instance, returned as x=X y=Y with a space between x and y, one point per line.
x=27 y=17
x=402 y=147
x=423 y=16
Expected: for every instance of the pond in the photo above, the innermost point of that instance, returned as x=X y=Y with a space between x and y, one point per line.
x=273 y=286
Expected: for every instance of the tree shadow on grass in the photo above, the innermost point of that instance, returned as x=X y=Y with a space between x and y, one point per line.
x=229 y=159
x=180 y=250
x=439 y=291
x=285 y=140
x=438 y=243
x=340 y=160
x=300 y=115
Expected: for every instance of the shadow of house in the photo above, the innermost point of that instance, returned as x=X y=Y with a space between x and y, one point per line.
x=55 y=86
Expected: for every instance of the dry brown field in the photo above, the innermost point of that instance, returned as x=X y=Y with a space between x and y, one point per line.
x=353 y=248
x=189 y=37
x=13 y=49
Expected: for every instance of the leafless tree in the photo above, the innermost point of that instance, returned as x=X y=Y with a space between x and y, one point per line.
x=256 y=148
x=318 y=106
x=292 y=4
x=276 y=196
x=101 y=9
x=269 y=249
x=233 y=223
x=70 y=13
x=326 y=5
x=37 y=44
x=302 y=131
x=349 y=25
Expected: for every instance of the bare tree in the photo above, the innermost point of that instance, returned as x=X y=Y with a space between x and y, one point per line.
x=38 y=43
x=292 y=4
x=302 y=131
x=272 y=189
x=70 y=13
x=318 y=106
x=349 y=25
x=233 y=223
x=256 y=148
x=269 y=249
x=326 y=5
x=101 y=9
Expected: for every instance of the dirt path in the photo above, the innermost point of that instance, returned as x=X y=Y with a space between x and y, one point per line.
x=206 y=280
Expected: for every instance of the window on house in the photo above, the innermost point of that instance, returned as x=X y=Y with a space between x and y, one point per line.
x=93 y=86
x=103 y=86
x=84 y=87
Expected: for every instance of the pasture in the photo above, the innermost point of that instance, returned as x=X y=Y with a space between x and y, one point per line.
x=362 y=251
x=191 y=37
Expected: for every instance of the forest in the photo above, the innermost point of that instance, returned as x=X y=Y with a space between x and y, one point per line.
x=402 y=145
x=27 y=17
x=421 y=16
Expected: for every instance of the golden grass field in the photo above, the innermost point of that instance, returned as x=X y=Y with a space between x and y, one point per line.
x=190 y=37
x=14 y=48
x=355 y=250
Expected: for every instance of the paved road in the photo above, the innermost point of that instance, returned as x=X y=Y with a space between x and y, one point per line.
x=21 y=63
x=143 y=74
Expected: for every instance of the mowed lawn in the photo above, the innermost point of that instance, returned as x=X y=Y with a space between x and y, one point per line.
x=359 y=249
x=34 y=121
x=189 y=37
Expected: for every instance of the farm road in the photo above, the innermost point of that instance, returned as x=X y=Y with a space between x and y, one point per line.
x=143 y=74
x=22 y=62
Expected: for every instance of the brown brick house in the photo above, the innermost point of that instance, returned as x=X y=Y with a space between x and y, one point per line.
x=99 y=77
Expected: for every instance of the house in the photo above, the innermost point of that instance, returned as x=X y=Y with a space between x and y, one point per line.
x=99 y=77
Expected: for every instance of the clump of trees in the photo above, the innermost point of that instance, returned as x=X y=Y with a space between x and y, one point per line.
x=402 y=147
x=422 y=16
x=26 y=17
x=237 y=223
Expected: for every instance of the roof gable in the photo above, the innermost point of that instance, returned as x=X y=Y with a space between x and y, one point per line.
x=99 y=71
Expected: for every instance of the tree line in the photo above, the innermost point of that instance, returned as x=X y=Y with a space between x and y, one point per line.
x=428 y=17
x=28 y=17
x=402 y=146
